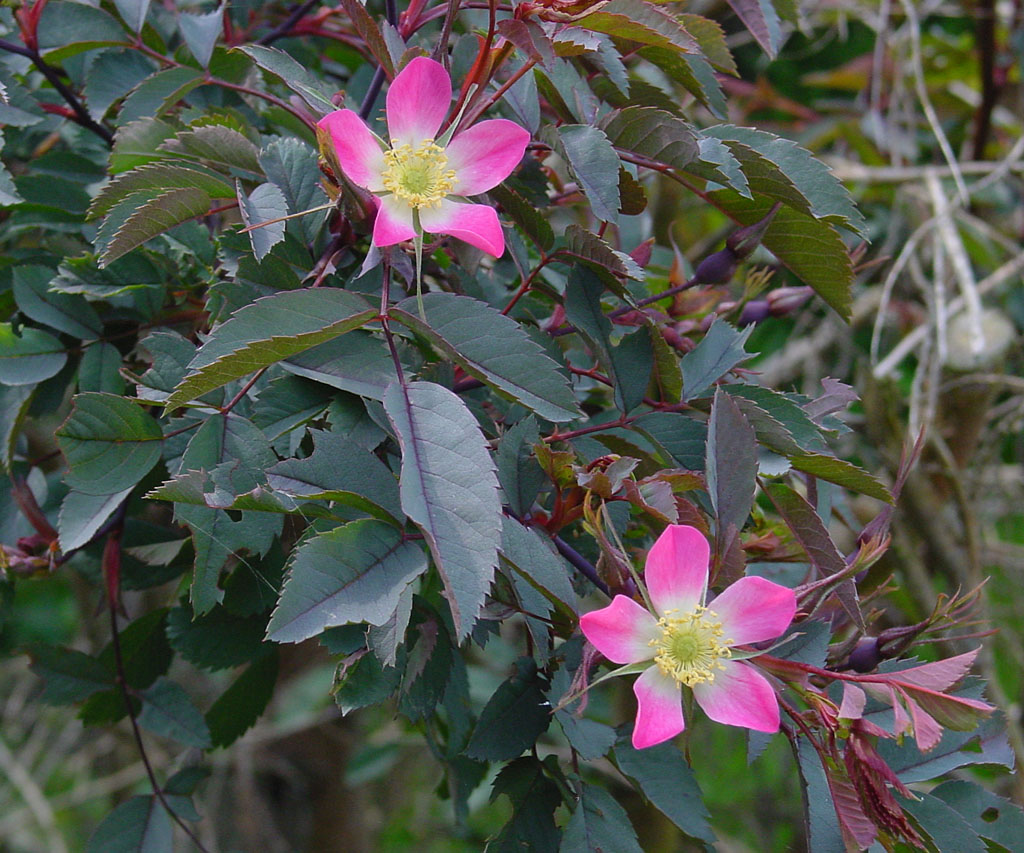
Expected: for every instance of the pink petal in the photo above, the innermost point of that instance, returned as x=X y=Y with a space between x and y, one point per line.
x=659 y=712
x=739 y=696
x=676 y=571
x=483 y=156
x=754 y=609
x=622 y=631
x=359 y=153
x=477 y=224
x=394 y=221
x=418 y=101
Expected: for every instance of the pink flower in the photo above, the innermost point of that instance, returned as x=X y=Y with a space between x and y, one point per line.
x=688 y=643
x=415 y=181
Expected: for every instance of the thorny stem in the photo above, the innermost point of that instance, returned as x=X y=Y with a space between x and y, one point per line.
x=122 y=684
x=82 y=116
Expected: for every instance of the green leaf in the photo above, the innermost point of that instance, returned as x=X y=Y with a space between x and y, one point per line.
x=145 y=214
x=595 y=165
x=69 y=675
x=292 y=167
x=534 y=799
x=363 y=481
x=69 y=314
x=693 y=73
x=358 y=362
x=652 y=133
x=14 y=404
x=240 y=706
x=525 y=215
x=263 y=204
x=218 y=145
x=513 y=718
x=721 y=349
x=731 y=465
x=168 y=711
x=947 y=829
x=598 y=825
x=82 y=515
x=33 y=356
x=353 y=573
x=598 y=255
x=137 y=143
x=825 y=197
x=682 y=437
x=842 y=473
x=988 y=814
x=369 y=31
x=201 y=33
x=9 y=194
x=494 y=349
x=66 y=29
x=293 y=74
x=214 y=640
x=641 y=22
x=450 y=490
x=956 y=749
x=158 y=93
x=268 y=330
x=109 y=442
x=138 y=825
x=812 y=250
x=133 y=13
x=159 y=177
x=666 y=780
x=100 y=369
x=520 y=476
x=711 y=38
x=535 y=561
x=361 y=681
x=824 y=834
x=761 y=19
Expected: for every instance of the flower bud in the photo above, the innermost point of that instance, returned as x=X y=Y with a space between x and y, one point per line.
x=866 y=655
x=744 y=240
x=717 y=268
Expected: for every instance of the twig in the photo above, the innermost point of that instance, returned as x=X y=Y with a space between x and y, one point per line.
x=581 y=564
x=284 y=28
x=82 y=116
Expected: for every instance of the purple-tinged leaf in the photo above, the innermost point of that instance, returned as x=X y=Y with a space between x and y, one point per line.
x=761 y=19
x=731 y=466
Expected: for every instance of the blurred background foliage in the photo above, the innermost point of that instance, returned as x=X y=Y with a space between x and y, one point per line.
x=918 y=107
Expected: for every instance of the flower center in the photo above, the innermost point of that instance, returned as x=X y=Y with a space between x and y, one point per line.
x=418 y=175
x=690 y=646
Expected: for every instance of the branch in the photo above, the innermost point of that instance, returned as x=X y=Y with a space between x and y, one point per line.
x=284 y=28
x=81 y=114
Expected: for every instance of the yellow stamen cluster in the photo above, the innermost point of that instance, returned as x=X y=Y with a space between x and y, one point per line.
x=690 y=646
x=418 y=175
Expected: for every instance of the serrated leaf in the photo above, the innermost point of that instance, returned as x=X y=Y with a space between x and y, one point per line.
x=596 y=253
x=159 y=177
x=598 y=825
x=263 y=204
x=534 y=799
x=666 y=780
x=158 y=93
x=842 y=473
x=720 y=350
x=825 y=196
x=812 y=250
x=214 y=640
x=370 y=32
x=269 y=330
x=138 y=825
x=239 y=707
x=33 y=356
x=201 y=32
x=761 y=19
x=652 y=133
x=293 y=74
x=711 y=39
x=353 y=573
x=595 y=165
x=100 y=369
x=69 y=675
x=9 y=194
x=14 y=404
x=513 y=718
x=537 y=563
x=525 y=215
x=167 y=710
x=494 y=349
x=82 y=515
x=66 y=29
x=731 y=465
x=946 y=828
x=716 y=162
x=824 y=834
x=520 y=476
x=363 y=481
x=450 y=490
x=133 y=13
x=110 y=443
x=693 y=73
x=216 y=144
x=358 y=362
x=292 y=167
x=990 y=815
x=682 y=437
x=143 y=215
x=69 y=314
x=137 y=143
x=641 y=22
x=953 y=751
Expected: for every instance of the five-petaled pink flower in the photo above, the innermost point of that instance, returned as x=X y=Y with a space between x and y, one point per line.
x=688 y=643
x=414 y=180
